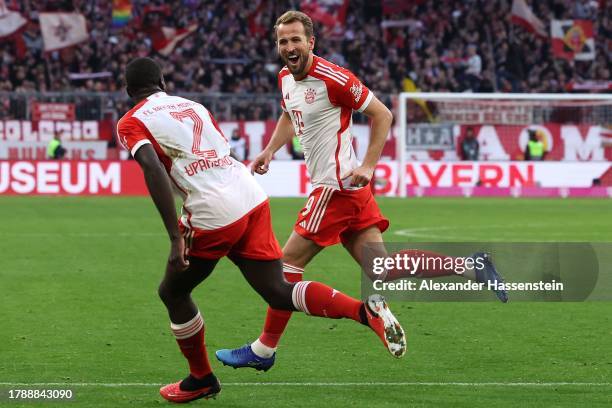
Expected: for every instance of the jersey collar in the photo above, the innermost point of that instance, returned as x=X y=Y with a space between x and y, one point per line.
x=157 y=95
x=315 y=61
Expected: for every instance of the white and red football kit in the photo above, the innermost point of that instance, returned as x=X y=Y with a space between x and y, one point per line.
x=225 y=211
x=321 y=107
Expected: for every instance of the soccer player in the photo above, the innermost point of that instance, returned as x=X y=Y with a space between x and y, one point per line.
x=318 y=99
x=225 y=213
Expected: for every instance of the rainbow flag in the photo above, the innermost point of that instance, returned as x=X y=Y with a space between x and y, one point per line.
x=122 y=12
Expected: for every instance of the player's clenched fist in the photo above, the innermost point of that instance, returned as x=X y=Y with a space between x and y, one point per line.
x=261 y=163
x=360 y=176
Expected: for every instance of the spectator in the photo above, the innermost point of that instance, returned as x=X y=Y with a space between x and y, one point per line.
x=474 y=69
x=535 y=150
x=470 y=146
x=442 y=45
x=239 y=146
x=55 y=150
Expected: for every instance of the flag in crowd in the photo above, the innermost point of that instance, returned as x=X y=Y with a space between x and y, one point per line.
x=61 y=30
x=122 y=13
x=573 y=39
x=166 y=39
x=10 y=21
x=330 y=14
x=524 y=17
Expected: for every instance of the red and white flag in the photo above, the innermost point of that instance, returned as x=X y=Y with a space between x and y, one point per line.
x=523 y=16
x=330 y=14
x=10 y=21
x=61 y=30
x=573 y=39
x=166 y=39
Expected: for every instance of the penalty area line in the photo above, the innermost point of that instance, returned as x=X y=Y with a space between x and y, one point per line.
x=326 y=384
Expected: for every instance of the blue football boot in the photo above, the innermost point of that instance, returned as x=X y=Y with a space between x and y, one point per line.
x=488 y=273
x=244 y=357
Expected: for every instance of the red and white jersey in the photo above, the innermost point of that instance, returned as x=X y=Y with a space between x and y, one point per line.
x=217 y=190
x=321 y=108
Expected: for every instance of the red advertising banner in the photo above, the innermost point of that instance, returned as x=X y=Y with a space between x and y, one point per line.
x=497 y=143
x=563 y=142
x=71 y=178
x=53 y=111
x=44 y=130
x=290 y=178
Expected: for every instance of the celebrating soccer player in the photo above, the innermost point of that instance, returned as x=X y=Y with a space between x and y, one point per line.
x=318 y=100
x=225 y=212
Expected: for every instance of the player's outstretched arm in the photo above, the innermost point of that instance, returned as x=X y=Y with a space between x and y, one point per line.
x=281 y=136
x=159 y=186
x=382 y=118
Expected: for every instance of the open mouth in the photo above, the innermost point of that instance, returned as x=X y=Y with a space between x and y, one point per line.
x=293 y=59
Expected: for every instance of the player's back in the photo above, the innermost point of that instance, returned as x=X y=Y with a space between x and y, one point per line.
x=217 y=189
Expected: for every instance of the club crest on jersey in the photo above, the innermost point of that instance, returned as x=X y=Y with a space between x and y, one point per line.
x=309 y=95
x=356 y=90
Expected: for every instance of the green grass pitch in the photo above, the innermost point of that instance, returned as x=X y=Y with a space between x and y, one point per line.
x=78 y=304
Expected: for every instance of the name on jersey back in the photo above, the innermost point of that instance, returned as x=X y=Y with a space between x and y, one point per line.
x=207 y=163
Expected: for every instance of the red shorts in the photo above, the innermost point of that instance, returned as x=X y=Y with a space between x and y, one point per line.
x=331 y=216
x=249 y=237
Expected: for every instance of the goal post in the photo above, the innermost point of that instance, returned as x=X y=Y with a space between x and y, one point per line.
x=430 y=121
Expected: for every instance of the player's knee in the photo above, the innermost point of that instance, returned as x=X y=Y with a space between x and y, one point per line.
x=163 y=293
x=166 y=294
x=294 y=259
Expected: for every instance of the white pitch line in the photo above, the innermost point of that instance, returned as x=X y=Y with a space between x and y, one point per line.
x=445 y=232
x=328 y=384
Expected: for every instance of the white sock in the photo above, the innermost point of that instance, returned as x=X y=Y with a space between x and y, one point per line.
x=261 y=350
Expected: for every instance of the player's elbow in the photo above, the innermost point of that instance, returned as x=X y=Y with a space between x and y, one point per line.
x=383 y=116
x=387 y=116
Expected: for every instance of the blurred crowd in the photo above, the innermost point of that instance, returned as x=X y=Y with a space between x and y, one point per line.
x=441 y=45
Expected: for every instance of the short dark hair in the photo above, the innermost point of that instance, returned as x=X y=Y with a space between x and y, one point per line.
x=142 y=73
x=292 y=16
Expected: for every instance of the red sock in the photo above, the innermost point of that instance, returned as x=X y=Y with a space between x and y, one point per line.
x=434 y=265
x=276 y=320
x=317 y=299
x=190 y=338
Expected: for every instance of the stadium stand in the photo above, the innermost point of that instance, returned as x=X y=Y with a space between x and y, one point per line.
x=223 y=54
x=447 y=45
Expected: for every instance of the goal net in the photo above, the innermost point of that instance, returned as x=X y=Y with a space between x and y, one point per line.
x=434 y=126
